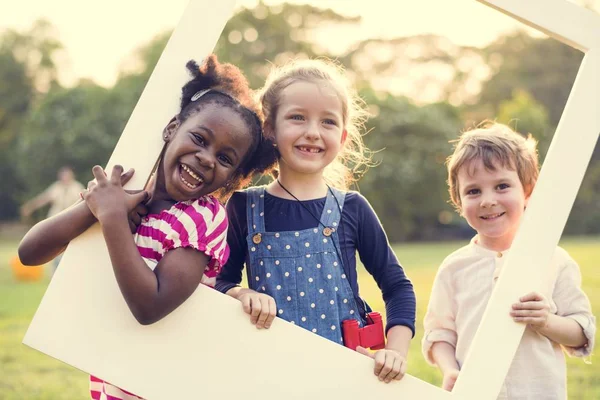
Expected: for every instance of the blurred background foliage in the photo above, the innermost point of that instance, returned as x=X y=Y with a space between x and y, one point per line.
x=422 y=91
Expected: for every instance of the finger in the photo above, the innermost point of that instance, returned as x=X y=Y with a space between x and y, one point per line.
x=403 y=366
x=272 y=312
x=256 y=309
x=451 y=384
x=532 y=296
x=135 y=218
x=264 y=314
x=365 y=352
x=388 y=366
x=116 y=173
x=141 y=209
x=140 y=197
x=526 y=313
x=246 y=304
x=127 y=176
x=529 y=320
x=379 y=362
x=98 y=173
x=530 y=305
x=91 y=185
x=397 y=372
x=132 y=226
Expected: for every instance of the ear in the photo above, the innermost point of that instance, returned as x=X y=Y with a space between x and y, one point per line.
x=170 y=129
x=344 y=136
x=528 y=192
x=268 y=130
x=527 y=196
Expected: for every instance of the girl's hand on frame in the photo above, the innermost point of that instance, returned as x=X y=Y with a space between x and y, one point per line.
x=139 y=212
x=449 y=380
x=261 y=307
x=533 y=309
x=106 y=197
x=136 y=215
x=389 y=364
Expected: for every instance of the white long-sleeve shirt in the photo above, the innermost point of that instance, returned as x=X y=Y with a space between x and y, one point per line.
x=460 y=293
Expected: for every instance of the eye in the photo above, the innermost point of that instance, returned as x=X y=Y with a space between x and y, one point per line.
x=472 y=192
x=225 y=160
x=198 y=139
x=330 y=122
x=503 y=186
x=297 y=117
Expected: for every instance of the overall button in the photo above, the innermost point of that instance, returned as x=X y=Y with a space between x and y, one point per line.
x=327 y=231
x=256 y=239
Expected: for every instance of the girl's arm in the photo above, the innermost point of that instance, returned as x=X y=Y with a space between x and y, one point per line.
x=261 y=307
x=50 y=237
x=380 y=261
x=397 y=290
x=230 y=277
x=150 y=295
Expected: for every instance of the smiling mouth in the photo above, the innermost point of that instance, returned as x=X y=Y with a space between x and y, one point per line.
x=189 y=177
x=492 y=216
x=313 y=150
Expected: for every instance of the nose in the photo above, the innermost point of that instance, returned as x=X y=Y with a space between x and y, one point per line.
x=312 y=131
x=488 y=200
x=206 y=159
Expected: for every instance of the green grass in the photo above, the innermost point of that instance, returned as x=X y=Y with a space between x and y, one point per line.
x=27 y=374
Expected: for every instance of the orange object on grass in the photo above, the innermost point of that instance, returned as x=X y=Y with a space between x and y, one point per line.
x=24 y=273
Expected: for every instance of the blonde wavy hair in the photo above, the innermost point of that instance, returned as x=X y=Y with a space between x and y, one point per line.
x=496 y=145
x=354 y=158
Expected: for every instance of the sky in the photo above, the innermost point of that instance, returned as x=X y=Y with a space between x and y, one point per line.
x=99 y=36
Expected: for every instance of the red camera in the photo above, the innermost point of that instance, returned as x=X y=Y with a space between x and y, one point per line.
x=370 y=336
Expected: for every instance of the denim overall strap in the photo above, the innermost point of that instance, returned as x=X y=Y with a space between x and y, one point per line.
x=255 y=209
x=301 y=270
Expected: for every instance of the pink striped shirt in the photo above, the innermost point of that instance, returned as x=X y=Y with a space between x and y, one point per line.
x=200 y=224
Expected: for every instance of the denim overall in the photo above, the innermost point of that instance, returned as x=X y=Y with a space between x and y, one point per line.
x=301 y=270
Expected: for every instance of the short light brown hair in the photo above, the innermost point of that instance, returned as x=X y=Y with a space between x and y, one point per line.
x=495 y=145
x=354 y=157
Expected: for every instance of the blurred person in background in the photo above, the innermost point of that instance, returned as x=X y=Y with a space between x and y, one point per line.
x=60 y=195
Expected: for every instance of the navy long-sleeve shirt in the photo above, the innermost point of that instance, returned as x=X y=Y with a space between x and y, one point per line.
x=360 y=230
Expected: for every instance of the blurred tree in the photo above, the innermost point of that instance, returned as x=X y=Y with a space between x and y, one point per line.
x=254 y=38
x=525 y=115
x=77 y=127
x=26 y=68
x=407 y=189
x=425 y=68
x=545 y=68
x=525 y=83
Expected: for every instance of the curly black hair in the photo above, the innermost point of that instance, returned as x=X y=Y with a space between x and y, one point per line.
x=230 y=88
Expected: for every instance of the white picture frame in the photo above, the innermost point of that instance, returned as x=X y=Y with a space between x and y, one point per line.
x=207 y=347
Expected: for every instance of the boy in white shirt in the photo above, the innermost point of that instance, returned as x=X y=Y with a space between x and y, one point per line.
x=491 y=175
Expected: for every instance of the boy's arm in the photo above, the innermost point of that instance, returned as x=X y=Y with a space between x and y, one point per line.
x=444 y=355
x=563 y=330
x=533 y=309
x=50 y=237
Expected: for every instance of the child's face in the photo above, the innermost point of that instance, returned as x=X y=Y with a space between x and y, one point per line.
x=203 y=152
x=492 y=203
x=309 y=128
